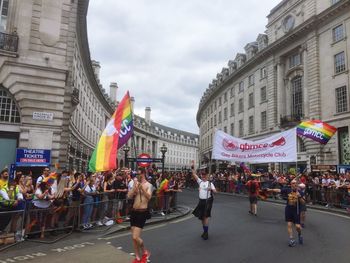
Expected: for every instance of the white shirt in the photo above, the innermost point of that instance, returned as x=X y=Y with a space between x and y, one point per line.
x=41 y=203
x=203 y=189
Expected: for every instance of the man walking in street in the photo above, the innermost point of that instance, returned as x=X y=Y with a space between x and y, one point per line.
x=292 y=211
x=142 y=193
x=203 y=209
x=253 y=188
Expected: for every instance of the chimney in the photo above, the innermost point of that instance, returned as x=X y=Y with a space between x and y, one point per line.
x=132 y=101
x=113 y=87
x=148 y=115
x=96 y=67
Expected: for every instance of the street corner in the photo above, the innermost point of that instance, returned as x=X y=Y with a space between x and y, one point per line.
x=83 y=252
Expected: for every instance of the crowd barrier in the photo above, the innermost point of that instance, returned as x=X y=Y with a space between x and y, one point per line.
x=50 y=224
x=315 y=194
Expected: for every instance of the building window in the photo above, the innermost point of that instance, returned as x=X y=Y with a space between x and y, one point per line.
x=263 y=94
x=339 y=62
x=232 y=129
x=251 y=80
x=344 y=145
x=225 y=129
x=338 y=33
x=232 y=109
x=240 y=105
x=341 y=99
x=241 y=130
x=225 y=114
x=215 y=122
x=263 y=119
x=4 y=5
x=300 y=145
x=251 y=100
x=297 y=97
x=211 y=122
x=251 y=124
x=241 y=87
x=225 y=97
x=263 y=73
x=8 y=109
x=232 y=92
x=219 y=101
x=215 y=105
x=294 y=60
x=220 y=117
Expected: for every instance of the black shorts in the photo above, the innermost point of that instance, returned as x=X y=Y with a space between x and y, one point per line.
x=138 y=218
x=292 y=215
x=253 y=199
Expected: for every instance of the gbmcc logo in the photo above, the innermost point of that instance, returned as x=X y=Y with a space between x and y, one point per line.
x=231 y=145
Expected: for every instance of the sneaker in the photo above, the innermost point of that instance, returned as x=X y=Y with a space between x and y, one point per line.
x=250 y=212
x=136 y=261
x=146 y=255
x=90 y=225
x=291 y=243
x=99 y=223
x=205 y=236
x=162 y=213
x=301 y=239
x=85 y=227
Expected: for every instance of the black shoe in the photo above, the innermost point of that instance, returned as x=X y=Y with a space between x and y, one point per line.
x=205 y=236
x=250 y=212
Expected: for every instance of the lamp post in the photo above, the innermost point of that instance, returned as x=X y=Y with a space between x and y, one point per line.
x=163 y=150
x=126 y=149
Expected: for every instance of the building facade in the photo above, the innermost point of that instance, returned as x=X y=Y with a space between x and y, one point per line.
x=50 y=93
x=297 y=71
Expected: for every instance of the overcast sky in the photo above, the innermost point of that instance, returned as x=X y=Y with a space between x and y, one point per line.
x=166 y=52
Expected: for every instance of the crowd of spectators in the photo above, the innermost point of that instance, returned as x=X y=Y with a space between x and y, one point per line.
x=35 y=206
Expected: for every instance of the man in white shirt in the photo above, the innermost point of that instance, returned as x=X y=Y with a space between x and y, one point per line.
x=203 y=209
x=46 y=173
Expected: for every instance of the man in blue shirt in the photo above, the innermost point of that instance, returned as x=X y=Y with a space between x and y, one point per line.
x=295 y=199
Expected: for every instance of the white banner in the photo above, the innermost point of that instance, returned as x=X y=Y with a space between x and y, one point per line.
x=281 y=147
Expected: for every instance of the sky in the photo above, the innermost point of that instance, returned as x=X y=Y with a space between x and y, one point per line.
x=166 y=52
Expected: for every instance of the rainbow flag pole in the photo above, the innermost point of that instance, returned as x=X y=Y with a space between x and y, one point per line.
x=316 y=130
x=117 y=132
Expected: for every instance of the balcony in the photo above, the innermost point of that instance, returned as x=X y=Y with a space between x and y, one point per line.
x=290 y=120
x=9 y=43
x=75 y=97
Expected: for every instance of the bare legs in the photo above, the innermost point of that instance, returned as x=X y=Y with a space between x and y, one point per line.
x=137 y=241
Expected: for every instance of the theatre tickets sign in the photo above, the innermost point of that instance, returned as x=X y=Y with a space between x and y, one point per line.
x=281 y=147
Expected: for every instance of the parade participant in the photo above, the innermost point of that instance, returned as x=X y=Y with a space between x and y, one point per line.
x=253 y=192
x=301 y=188
x=292 y=210
x=142 y=193
x=203 y=209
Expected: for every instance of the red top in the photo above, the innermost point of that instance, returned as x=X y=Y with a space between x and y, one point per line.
x=250 y=187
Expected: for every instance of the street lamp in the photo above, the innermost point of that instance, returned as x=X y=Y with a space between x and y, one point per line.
x=163 y=150
x=126 y=149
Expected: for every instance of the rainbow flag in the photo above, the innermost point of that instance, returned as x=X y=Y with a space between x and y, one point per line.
x=316 y=130
x=117 y=132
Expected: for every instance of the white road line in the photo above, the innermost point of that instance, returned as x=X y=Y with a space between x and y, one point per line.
x=128 y=233
x=182 y=219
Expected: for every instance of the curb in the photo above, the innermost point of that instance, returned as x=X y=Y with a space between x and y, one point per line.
x=165 y=219
x=312 y=207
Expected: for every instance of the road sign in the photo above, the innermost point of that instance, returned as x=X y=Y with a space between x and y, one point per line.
x=145 y=160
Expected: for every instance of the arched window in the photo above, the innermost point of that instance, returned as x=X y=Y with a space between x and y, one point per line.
x=8 y=109
x=297 y=97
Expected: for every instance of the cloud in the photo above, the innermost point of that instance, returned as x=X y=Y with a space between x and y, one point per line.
x=167 y=52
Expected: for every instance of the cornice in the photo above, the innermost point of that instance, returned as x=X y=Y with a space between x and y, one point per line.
x=83 y=43
x=299 y=32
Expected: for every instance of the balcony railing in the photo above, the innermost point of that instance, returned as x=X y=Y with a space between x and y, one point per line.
x=291 y=120
x=9 y=42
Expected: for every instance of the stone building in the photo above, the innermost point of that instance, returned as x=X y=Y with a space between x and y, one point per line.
x=297 y=70
x=51 y=97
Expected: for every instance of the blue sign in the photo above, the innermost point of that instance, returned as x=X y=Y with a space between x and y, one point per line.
x=33 y=157
x=12 y=172
x=343 y=168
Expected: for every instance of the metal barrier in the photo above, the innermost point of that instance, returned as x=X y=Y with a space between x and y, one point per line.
x=11 y=227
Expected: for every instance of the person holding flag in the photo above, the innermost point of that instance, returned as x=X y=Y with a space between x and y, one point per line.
x=203 y=209
x=253 y=187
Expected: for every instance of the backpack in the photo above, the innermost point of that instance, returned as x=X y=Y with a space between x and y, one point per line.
x=252 y=187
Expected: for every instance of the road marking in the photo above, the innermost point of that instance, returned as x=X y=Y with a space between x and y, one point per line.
x=129 y=233
x=182 y=219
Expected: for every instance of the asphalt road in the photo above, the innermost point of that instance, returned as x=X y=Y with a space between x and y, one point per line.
x=237 y=236
x=234 y=236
